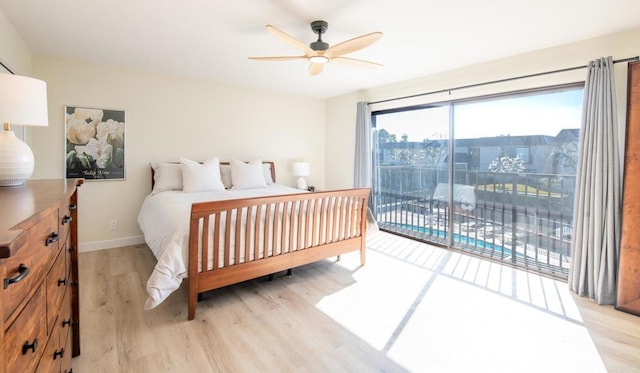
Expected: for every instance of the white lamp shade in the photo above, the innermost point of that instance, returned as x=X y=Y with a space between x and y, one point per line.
x=301 y=169
x=23 y=101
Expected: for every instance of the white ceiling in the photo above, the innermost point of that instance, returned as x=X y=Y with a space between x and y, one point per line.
x=211 y=39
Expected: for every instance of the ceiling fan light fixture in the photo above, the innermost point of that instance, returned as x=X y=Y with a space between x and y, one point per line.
x=319 y=53
x=318 y=59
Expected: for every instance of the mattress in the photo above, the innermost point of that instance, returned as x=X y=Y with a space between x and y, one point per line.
x=164 y=220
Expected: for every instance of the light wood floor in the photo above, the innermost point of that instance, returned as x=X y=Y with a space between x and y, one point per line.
x=413 y=307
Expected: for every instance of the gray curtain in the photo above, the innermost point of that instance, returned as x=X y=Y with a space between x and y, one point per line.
x=363 y=167
x=596 y=221
x=362 y=176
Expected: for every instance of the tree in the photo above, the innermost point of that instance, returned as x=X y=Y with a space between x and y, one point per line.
x=565 y=157
x=385 y=137
x=506 y=164
x=404 y=156
x=434 y=152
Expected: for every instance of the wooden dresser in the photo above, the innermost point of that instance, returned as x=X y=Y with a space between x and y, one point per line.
x=39 y=309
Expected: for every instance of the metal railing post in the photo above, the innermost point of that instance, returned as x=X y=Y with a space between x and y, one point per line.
x=514 y=220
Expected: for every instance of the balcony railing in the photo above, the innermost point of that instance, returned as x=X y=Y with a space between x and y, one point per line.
x=522 y=219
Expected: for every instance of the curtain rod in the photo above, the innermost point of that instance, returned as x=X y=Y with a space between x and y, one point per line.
x=629 y=59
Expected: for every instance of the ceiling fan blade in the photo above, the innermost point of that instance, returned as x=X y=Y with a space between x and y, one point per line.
x=279 y=58
x=357 y=62
x=290 y=39
x=354 y=44
x=315 y=68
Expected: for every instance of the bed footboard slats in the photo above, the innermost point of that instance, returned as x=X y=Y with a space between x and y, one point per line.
x=216 y=243
x=323 y=218
x=205 y=242
x=227 y=241
x=278 y=231
x=238 y=231
x=247 y=238
x=301 y=210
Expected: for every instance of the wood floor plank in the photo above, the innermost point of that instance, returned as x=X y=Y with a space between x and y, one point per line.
x=413 y=307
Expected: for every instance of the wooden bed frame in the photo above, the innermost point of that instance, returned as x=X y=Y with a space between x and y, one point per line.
x=299 y=229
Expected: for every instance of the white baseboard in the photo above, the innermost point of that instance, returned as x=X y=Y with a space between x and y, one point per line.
x=109 y=244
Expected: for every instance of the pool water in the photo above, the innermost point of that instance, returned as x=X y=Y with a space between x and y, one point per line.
x=457 y=238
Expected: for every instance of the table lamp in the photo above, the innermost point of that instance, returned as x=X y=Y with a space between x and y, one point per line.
x=23 y=101
x=301 y=169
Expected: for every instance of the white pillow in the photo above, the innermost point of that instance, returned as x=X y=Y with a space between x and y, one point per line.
x=166 y=176
x=225 y=175
x=247 y=175
x=267 y=173
x=203 y=177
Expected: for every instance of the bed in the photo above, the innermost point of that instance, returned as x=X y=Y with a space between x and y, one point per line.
x=220 y=237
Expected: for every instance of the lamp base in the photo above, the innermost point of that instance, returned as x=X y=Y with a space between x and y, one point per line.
x=16 y=160
x=301 y=183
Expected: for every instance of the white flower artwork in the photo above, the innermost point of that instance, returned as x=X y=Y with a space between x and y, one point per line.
x=95 y=143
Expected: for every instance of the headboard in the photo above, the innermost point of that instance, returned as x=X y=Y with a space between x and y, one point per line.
x=272 y=167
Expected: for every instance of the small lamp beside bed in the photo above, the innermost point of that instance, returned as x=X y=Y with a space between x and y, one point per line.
x=301 y=169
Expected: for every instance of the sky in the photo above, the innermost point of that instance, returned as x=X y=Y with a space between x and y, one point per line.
x=541 y=114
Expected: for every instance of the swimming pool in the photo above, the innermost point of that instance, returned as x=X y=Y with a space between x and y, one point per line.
x=472 y=242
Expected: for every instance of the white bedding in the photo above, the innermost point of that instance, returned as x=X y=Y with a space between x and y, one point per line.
x=164 y=220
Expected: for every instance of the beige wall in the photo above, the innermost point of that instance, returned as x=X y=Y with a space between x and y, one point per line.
x=15 y=55
x=13 y=50
x=168 y=117
x=341 y=111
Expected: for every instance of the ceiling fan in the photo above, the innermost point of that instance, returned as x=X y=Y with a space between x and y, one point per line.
x=318 y=53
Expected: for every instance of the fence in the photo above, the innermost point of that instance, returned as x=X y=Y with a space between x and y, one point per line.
x=523 y=219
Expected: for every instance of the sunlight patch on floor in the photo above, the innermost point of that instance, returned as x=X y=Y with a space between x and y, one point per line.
x=364 y=307
x=459 y=313
x=466 y=328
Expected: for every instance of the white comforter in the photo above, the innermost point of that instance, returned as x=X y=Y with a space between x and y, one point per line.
x=164 y=220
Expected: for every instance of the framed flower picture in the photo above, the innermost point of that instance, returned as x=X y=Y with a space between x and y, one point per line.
x=95 y=143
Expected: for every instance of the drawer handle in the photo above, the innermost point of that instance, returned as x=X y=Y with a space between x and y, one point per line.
x=66 y=219
x=27 y=346
x=73 y=206
x=69 y=371
x=58 y=353
x=51 y=239
x=62 y=281
x=23 y=271
x=67 y=322
x=72 y=249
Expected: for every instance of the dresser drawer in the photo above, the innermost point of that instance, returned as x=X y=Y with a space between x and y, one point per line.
x=65 y=321
x=64 y=326
x=53 y=354
x=56 y=282
x=27 y=267
x=66 y=359
x=57 y=353
x=65 y=219
x=26 y=337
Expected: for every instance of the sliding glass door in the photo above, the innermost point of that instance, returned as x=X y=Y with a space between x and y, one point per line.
x=495 y=177
x=411 y=149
